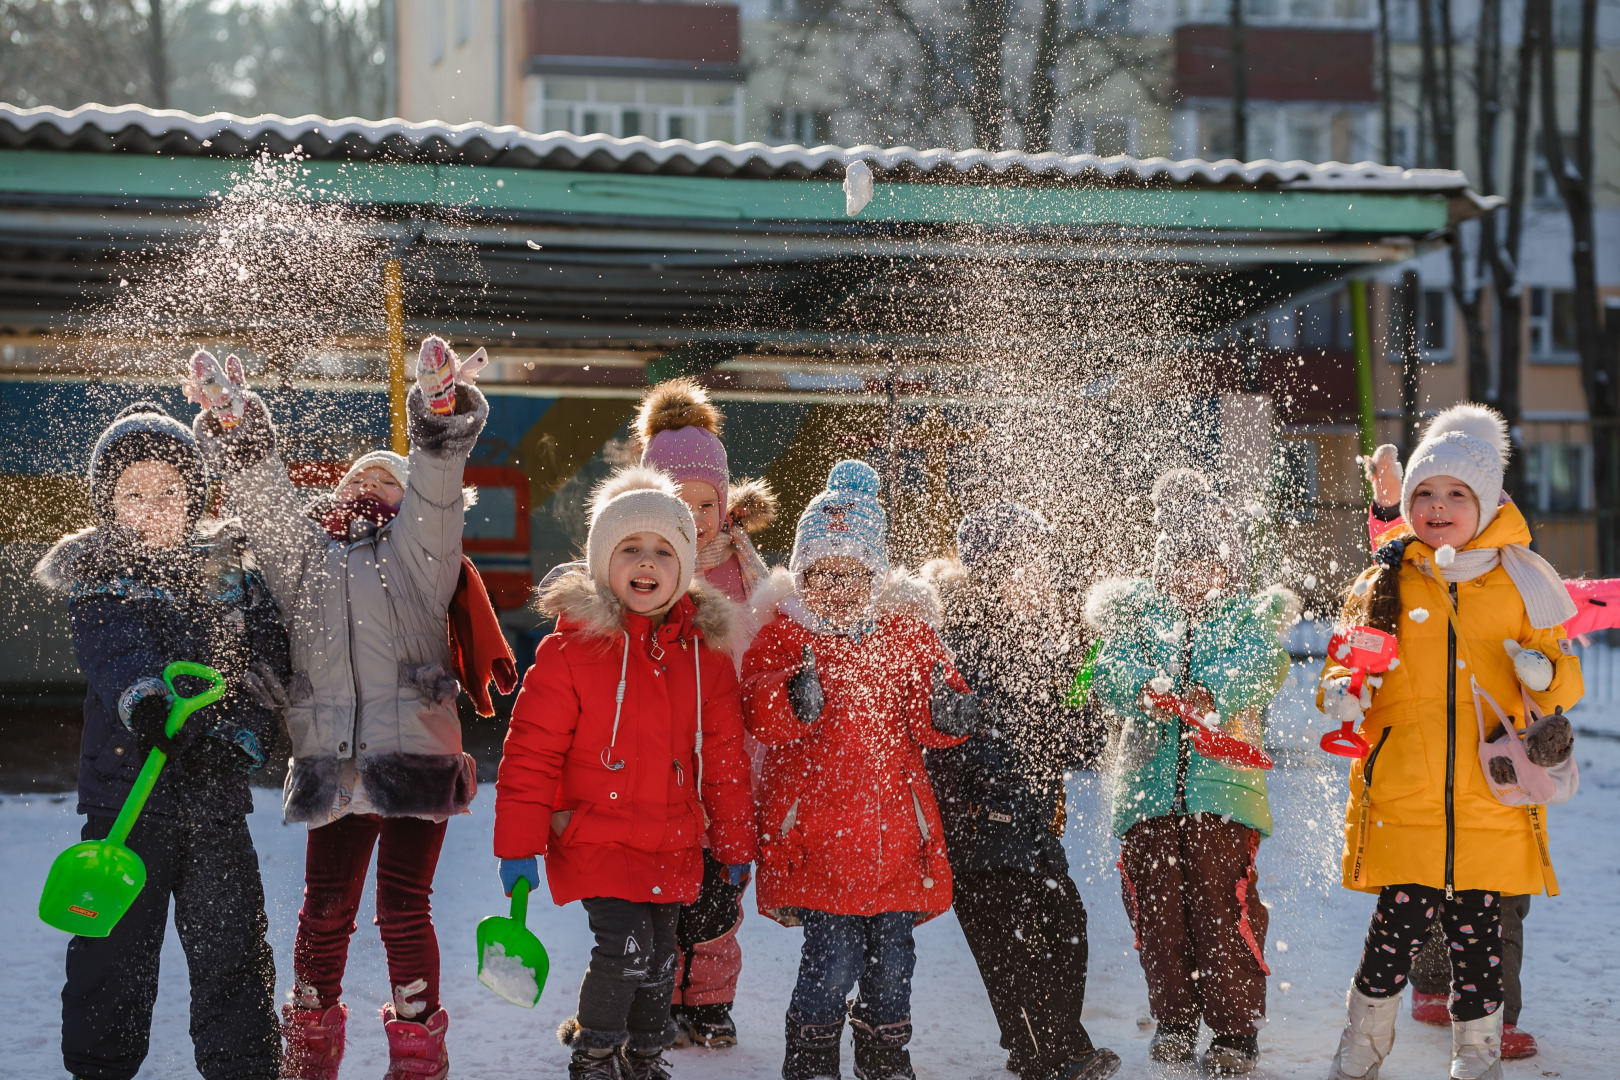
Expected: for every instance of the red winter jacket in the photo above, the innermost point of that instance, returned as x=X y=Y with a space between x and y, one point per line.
x=622 y=817
x=847 y=817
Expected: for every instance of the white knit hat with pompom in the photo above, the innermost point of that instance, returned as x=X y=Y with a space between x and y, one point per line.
x=1470 y=443
x=639 y=500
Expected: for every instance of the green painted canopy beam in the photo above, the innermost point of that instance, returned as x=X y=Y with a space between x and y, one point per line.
x=466 y=187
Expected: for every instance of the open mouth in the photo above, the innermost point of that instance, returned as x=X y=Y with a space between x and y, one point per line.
x=643 y=585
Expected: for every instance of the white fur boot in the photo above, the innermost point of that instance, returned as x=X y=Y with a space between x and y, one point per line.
x=1369 y=1032
x=1476 y=1048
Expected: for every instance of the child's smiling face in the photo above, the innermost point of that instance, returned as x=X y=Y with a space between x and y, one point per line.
x=704 y=502
x=375 y=481
x=150 y=499
x=1444 y=511
x=838 y=589
x=643 y=572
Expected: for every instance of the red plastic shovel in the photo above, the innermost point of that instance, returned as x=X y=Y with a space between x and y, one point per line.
x=1364 y=651
x=1210 y=742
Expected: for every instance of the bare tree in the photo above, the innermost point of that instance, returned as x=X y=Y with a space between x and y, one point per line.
x=1239 y=55
x=1573 y=175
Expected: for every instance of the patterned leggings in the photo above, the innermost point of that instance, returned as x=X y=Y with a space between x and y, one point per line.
x=1473 y=926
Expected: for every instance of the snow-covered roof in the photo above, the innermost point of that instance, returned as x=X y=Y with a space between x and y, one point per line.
x=135 y=128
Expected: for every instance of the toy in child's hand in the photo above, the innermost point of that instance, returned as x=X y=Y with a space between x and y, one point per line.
x=804 y=690
x=952 y=712
x=1365 y=651
x=1211 y=743
x=219 y=389
x=438 y=369
x=1532 y=667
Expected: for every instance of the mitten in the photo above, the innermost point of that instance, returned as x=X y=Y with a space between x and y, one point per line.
x=739 y=874
x=264 y=686
x=248 y=443
x=216 y=754
x=438 y=369
x=144 y=708
x=512 y=869
x=953 y=713
x=804 y=690
x=1550 y=740
x=1339 y=703
x=1535 y=671
x=1383 y=471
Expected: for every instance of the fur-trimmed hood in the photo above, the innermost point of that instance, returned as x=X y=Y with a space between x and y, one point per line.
x=951 y=584
x=595 y=612
x=105 y=553
x=902 y=593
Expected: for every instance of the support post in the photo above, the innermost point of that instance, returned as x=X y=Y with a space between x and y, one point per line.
x=1362 y=340
x=394 y=306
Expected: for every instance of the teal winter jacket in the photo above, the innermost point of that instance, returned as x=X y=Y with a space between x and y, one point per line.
x=1233 y=648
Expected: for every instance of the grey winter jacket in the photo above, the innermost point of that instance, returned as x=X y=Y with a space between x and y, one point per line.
x=370 y=649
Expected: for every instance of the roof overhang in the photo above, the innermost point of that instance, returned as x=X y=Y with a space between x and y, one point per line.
x=592 y=240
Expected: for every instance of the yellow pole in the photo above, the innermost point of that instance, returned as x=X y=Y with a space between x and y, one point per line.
x=394 y=304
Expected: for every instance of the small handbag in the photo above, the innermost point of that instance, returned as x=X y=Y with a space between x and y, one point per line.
x=1535 y=785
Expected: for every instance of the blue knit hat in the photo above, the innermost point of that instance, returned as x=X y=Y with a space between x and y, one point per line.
x=846 y=519
x=1001 y=533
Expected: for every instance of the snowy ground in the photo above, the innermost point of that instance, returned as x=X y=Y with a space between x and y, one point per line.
x=1571 y=976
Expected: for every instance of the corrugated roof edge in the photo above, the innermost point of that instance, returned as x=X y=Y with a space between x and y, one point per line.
x=138 y=129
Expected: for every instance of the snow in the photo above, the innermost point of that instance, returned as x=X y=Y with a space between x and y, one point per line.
x=1445 y=555
x=507 y=975
x=1571 y=975
x=1418 y=614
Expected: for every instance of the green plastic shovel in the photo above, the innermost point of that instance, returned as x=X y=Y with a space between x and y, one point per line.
x=511 y=960
x=92 y=884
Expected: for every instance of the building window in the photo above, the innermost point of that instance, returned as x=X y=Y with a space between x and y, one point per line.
x=657 y=108
x=464 y=21
x=1294 y=479
x=1434 y=324
x=1325 y=323
x=1110 y=137
x=1110 y=15
x=1556 y=475
x=1553 y=336
x=807 y=127
x=435 y=31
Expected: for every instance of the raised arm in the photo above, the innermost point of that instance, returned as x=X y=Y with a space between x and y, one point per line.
x=427 y=532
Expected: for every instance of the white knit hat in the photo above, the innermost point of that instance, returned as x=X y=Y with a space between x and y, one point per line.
x=1469 y=442
x=634 y=500
x=386 y=460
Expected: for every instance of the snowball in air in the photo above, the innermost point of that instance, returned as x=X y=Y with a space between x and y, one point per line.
x=1445 y=555
x=1361 y=586
x=1310 y=581
x=1418 y=614
x=857 y=187
x=1161 y=684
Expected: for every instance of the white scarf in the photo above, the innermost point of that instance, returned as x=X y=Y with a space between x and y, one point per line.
x=1546 y=601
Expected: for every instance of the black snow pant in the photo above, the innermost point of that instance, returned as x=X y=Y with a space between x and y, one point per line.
x=1027 y=933
x=1431 y=969
x=1472 y=922
x=624 y=997
x=212 y=871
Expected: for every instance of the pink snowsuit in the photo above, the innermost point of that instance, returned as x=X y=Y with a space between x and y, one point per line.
x=1597 y=600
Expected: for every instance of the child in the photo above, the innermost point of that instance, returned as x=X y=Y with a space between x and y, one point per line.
x=1189 y=827
x=845 y=686
x=625 y=740
x=1464 y=595
x=377 y=759
x=680 y=434
x=146 y=586
x=1001 y=795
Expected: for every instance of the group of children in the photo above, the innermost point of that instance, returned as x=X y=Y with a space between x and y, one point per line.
x=883 y=744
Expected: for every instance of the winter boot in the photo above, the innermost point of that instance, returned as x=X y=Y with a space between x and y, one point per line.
x=1476 y=1048
x=597 y=1064
x=416 y=1049
x=1517 y=1044
x=880 y=1051
x=646 y=1065
x=706 y=1025
x=1097 y=1064
x=314 y=1041
x=1175 y=1042
x=1431 y=1008
x=1232 y=1055
x=1369 y=1032
x=812 y=1049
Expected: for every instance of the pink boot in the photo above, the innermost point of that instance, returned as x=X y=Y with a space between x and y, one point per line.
x=416 y=1051
x=1431 y=1008
x=314 y=1041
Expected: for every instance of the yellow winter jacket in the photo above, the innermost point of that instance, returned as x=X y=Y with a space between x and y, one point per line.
x=1404 y=823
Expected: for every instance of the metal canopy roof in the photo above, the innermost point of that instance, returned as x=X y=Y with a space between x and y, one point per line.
x=138 y=129
x=520 y=236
